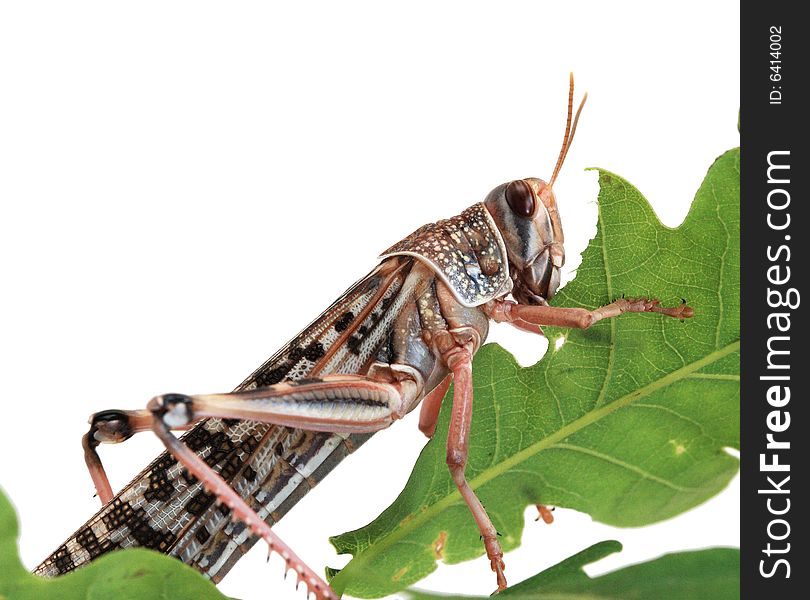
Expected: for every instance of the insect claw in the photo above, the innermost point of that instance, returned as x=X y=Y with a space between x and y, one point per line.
x=544 y=513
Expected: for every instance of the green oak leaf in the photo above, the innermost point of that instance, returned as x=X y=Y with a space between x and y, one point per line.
x=627 y=421
x=126 y=575
x=712 y=574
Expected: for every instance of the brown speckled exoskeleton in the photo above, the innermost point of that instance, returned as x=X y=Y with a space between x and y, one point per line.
x=396 y=338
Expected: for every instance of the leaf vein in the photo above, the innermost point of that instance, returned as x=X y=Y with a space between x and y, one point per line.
x=523 y=455
x=625 y=465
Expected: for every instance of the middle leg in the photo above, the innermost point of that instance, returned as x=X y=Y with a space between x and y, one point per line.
x=458 y=358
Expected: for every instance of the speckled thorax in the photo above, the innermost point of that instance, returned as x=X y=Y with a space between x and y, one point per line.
x=467 y=252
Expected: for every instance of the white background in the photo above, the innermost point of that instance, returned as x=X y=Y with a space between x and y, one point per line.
x=185 y=185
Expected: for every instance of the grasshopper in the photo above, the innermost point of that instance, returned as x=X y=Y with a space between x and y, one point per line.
x=393 y=340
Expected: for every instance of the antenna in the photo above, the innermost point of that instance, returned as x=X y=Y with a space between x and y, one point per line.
x=570 y=129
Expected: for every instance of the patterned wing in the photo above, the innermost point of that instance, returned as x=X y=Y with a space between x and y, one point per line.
x=271 y=467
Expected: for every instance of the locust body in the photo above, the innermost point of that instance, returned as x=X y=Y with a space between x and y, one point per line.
x=394 y=339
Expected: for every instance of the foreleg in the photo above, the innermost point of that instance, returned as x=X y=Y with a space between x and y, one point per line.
x=510 y=312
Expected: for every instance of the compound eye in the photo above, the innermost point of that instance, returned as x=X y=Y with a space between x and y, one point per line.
x=520 y=199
